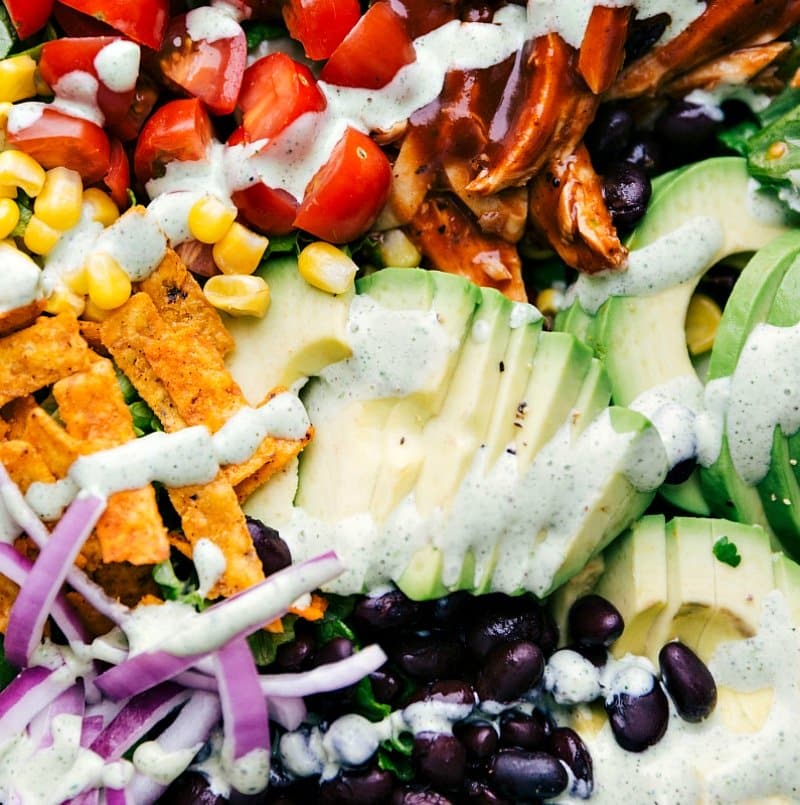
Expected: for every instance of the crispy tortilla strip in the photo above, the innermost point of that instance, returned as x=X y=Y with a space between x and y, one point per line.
x=4 y=428
x=212 y=512
x=46 y=351
x=24 y=464
x=90 y=330
x=125 y=582
x=55 y=445
x=95 y=623
x=16 y=416
x=19 y=317
x=8 y=594
x=180 y=302
x=124 y=335
x=130 y=529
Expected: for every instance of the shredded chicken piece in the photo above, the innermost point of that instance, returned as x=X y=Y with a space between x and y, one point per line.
x=603 y=47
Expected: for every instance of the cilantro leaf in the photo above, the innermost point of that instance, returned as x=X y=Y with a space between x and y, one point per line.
x=394 y=755
x=173 y=589
x=727 y=552
x=264 y=645
x=7 y=670
x=258 y=32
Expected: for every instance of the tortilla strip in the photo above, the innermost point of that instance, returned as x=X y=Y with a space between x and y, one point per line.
x=54 y=444
x=46 y=351
x=180 y=301
x=4 y=428
x=16 y=416
x=19 y=317
x=92 y=407
x=24 y=464
x=8 y=594
x=124 y=334
x=212 y=512
x=90 y=330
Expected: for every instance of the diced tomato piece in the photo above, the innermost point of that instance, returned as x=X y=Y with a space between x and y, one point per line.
x=118 y=178
x=276 y=90
x=320 y=25
x=144 y=21
x=29 y=16
x=63 y=56
x=373 y=52
x=179 y=130
x=210 y=70
x=145 y=97
x=73 y=23
x=347 y=192
x=55 y=138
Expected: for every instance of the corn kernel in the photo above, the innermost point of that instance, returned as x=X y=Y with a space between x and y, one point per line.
x=396 y=249
x=17 y=78
x=9 y=216
x=92 y=312
x=40 y=237
x=239 y=251
x=238 y=294
x=8 y=191
x=108 y=283
x=702 y=322
x=64 y=300
x=549 y=301
x=326 y=267
x=210 y=219
x=103 y=208
x=23 y=171
x=59 y=202
x=77 y=280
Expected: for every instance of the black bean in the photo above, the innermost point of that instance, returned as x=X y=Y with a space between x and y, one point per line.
x=338 y=648
x=687 y=125
x=295 y=655
x=643 y=34
x=417 y=795
x=192 y=789
x=386 y=685
x=272 y=551
x=392 y=610
x=567 y=746
x=452 y=691
x=524 y=731
x=594 y=621
x=371 y=787
x=638 y=721
x=688 y=681
x=509 y=671
x=626 y=190
x=522 y=775
x=681 y=471
x=451 y=608
x=548 y=640
x=597 y=655
x=429 y=656
x=508 y=619
x=646 y=153
x=478 y=737
x=439 y=759
x=478 y=793
x=608 y=135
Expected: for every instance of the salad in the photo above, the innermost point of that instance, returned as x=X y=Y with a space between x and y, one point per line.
x=399 y=401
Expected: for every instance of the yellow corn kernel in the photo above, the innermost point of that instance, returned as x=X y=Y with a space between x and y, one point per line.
x=326 y=267
x=59 y=202
x=17 y=78
x=23 y=171
x=8 y=191
x=40 y=237
x=108 y=284
x=104 y=209
x=239 y=251
x=64 y=300
x=77 y=280
x=549 y=301
x=238 y=294
x=9 y=216
x=210 y=218
x=702 y=322
x=397 y=250
x=92 y=312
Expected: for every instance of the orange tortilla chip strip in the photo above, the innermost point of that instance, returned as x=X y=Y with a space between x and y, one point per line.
x=90 y=330
x=46 y=351
x=16 y=414
x=269 y=459
x=8 y=594
x=124 y=334
x=4 y=429
x=24 y=464
x=54 y=444
x=212 y=512
x=19 y=317
x=180 y=301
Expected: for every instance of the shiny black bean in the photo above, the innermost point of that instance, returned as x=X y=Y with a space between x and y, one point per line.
x=646 y=153
x=386 y=685
x=478 y=737
x=687 y=125
x=597 y=655
x=643 y=34
x=608 y=135
x=192 y=789
x=524 y=731
x=295 y=655
x=626 y=190
x=681 y=471
x=567 y=746
x=392 y=610
x=638 y=721
x=548 y=640
x=594 y=621
x=509 y=619
x=429 y=656
x=339 y=648
x=371 y=787
x=688 y=681
x=522 y=775
x=451 y=608
x=416 y=795
x=510 y=670
x=272 y=551
x=478 y=793
x=439 y=759
x=452 y=691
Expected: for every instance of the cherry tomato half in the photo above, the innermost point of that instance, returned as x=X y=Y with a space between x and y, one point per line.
x=145 y=96
x=320 y=25
x=347 y=192
x=178 y=130
x=55 y=138
x=373 y=52
x=118 y=177
x=144 y=21
x=209 y=70
x=276 y=90
x=28 y=16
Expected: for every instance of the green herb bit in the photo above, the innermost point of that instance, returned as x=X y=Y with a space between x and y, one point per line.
x=726 y=552
x=258 y=32
x=174 y=589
